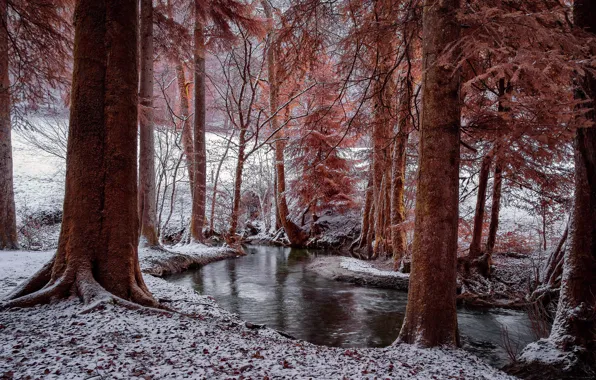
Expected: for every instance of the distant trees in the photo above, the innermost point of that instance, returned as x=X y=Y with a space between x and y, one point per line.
x=97 y=255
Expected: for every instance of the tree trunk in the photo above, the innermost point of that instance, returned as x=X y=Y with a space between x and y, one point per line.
x=495 y=208
x=476 y=245
x=8 y=222
x=383 y=127
x=296 y=235
x=97 y=250
x=574 y=328
x=366 y=215
x=431 y=318
x=215 y=184
x=187 y=139
x=398 y=174
x=238 y=183
x=200 y=155
x=147 y=198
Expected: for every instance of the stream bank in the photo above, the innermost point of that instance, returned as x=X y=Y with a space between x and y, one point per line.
x=274 y=286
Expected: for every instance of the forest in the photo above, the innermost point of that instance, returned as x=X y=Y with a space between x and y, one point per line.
x=259 y=189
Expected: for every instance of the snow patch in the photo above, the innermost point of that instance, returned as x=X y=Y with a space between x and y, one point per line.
x=355 y=265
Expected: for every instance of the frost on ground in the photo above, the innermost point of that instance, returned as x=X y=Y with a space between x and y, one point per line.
x=57 y=341
x=176 y=259
x=360 y=266
x=359 y=272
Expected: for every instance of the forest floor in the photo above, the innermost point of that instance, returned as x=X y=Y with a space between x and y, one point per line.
x=203 y=341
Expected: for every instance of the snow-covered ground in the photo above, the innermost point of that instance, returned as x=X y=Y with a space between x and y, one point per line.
x=58 y=342
x=359 y=272
x=360 y=266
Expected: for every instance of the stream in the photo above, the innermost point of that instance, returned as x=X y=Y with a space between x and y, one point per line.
x=271 y=286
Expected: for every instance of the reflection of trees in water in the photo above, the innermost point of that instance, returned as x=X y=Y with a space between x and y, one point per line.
x=234 y=303
x=298 y=255
x=327 y=313
x=281 y=276
x=384 y=328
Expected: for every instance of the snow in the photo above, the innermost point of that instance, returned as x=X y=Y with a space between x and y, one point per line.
x=361 y=266
x=203 y=341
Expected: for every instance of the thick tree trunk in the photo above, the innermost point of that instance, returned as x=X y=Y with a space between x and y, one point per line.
x=8 y=222
x=574 y=328
x=431 y=318
x=200 y=155
x=97 y=251
x=476 y=245
x=295 y=234
x=187 y=139
x=147 y=198
x=495 y=208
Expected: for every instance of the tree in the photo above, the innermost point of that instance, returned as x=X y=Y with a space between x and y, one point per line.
x=147 y=196
x=34 y=42
x=8 y=222
x=221 y=13
x=574 y=328
x=324 y=179
x=97 y=254
x=200 y=154
x=295 y=234
x=431 y=318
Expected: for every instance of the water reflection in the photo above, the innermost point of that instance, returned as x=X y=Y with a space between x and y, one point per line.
x=271 y=286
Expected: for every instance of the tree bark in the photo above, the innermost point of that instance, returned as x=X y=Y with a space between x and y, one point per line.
x=200 y=155
x=574 y=328
x=495 y=208
x=431 y=318
x=296 y=235
x=97 y=255
x=476 y=244
x=238 y=182
x=8 y=222
x=187 y=138
x=398 y=173
x=366 y=215
x=147 y=198
x=215 y=184
x=383 y=127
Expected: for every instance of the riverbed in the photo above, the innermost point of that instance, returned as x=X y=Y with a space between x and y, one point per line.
x=271 y=286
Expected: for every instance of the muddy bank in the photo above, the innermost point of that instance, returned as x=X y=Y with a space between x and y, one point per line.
x=346 y=269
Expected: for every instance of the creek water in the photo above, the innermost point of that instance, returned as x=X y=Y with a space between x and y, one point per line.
x=271 y=286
